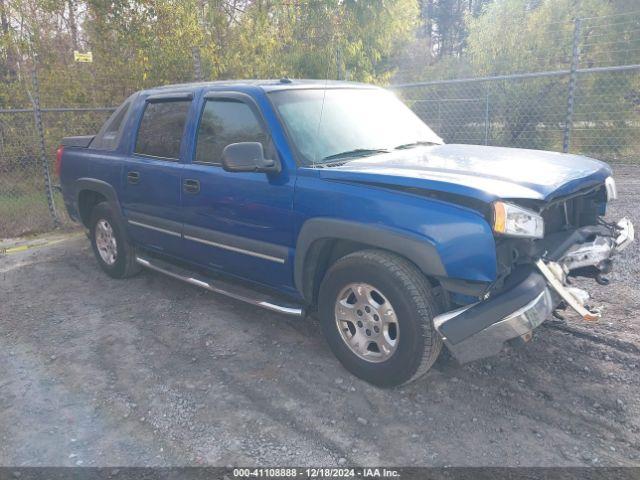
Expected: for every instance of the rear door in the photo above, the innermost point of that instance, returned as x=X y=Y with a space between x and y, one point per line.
x=151 y=174
x=237 y=222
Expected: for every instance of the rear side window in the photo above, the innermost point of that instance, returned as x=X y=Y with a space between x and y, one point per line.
x=223 y=122
x=109 y=135
x=161 y=129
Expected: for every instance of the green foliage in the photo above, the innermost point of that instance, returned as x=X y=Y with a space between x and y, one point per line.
x=543 y=41
x=354 y=39
x=511 y=36
x=143 y=43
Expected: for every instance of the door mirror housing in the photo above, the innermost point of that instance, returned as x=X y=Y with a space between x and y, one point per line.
x=247 y=157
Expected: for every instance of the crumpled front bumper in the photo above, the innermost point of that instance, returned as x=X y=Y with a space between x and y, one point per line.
x=529 y=296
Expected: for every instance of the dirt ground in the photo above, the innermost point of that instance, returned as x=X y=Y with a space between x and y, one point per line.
x=150 y=371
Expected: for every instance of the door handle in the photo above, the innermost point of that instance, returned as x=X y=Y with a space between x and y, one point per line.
x=191 y=186
x=133 y=177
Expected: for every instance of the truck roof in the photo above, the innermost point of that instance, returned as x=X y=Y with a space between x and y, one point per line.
x=266 y=85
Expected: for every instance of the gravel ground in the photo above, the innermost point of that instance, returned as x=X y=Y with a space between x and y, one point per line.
x=150 y=371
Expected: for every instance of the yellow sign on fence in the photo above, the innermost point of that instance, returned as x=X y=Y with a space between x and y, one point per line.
x=82 y=57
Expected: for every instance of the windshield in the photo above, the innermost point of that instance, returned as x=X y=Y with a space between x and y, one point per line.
x=327 y=125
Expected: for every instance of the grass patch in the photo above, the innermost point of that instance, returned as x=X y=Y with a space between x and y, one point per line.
x=24 y=213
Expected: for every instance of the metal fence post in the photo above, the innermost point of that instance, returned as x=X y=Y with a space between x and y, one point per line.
x=486 y=120
x=35 y=100
x=575 y=59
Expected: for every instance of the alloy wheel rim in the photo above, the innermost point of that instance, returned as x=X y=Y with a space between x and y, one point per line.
x=106 y=242
x=367 y=322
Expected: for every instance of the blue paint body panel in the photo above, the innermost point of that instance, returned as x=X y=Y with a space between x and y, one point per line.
x=461 y=236
x=261 y=216
x=484 y=173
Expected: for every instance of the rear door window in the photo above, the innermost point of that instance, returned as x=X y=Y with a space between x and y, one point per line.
x=161 y=129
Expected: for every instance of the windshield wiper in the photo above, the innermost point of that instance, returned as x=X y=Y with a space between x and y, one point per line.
x=415 y=144
x=357 y=152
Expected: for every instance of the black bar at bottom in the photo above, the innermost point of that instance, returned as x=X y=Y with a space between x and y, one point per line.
x=406 y=473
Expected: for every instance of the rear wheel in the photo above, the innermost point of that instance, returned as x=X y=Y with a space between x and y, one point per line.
x=376 y=310
x=112 y=250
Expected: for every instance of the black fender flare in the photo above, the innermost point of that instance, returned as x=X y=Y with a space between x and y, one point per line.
x=100 y=186
x=103 y=188
x=413 y=247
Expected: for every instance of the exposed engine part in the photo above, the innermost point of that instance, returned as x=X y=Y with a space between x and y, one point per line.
x=590 y=258
x=598 y=252
x=588 y=254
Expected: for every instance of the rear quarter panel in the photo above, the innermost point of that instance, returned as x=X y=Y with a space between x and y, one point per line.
x=80 y=163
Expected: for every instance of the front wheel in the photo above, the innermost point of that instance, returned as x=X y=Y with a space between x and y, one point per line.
x=376 y=310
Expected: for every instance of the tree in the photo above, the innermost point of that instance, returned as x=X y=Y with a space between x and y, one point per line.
x=438 y=49
x=331 y=38
x=532 y=112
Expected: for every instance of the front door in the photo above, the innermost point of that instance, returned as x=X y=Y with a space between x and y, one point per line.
x=151 y=175
x=239 y=223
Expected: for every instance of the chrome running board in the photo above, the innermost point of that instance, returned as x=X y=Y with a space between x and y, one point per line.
x=238 y=292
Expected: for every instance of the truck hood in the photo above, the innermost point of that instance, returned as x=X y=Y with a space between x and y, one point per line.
x=483 y=173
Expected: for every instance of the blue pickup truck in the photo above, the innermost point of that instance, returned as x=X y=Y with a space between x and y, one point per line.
x=336 y=200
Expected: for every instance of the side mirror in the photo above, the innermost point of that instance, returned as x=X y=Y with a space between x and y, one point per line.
x=247 y=157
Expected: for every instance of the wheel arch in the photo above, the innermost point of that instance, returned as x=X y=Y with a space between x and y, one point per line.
x=323 y=240
x=90 y=192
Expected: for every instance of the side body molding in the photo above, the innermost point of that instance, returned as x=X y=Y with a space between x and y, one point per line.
x=416 y=249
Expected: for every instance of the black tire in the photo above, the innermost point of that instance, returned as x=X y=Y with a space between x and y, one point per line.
x=415 y=304
x=125 y=259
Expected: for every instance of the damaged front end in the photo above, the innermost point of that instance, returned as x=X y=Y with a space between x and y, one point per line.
x=536 y=284
x=590 y=256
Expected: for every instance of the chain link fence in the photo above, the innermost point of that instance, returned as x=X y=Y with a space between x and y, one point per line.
x=23 y=205
x=28 y=202
x=585 y=100
x=593 y=111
